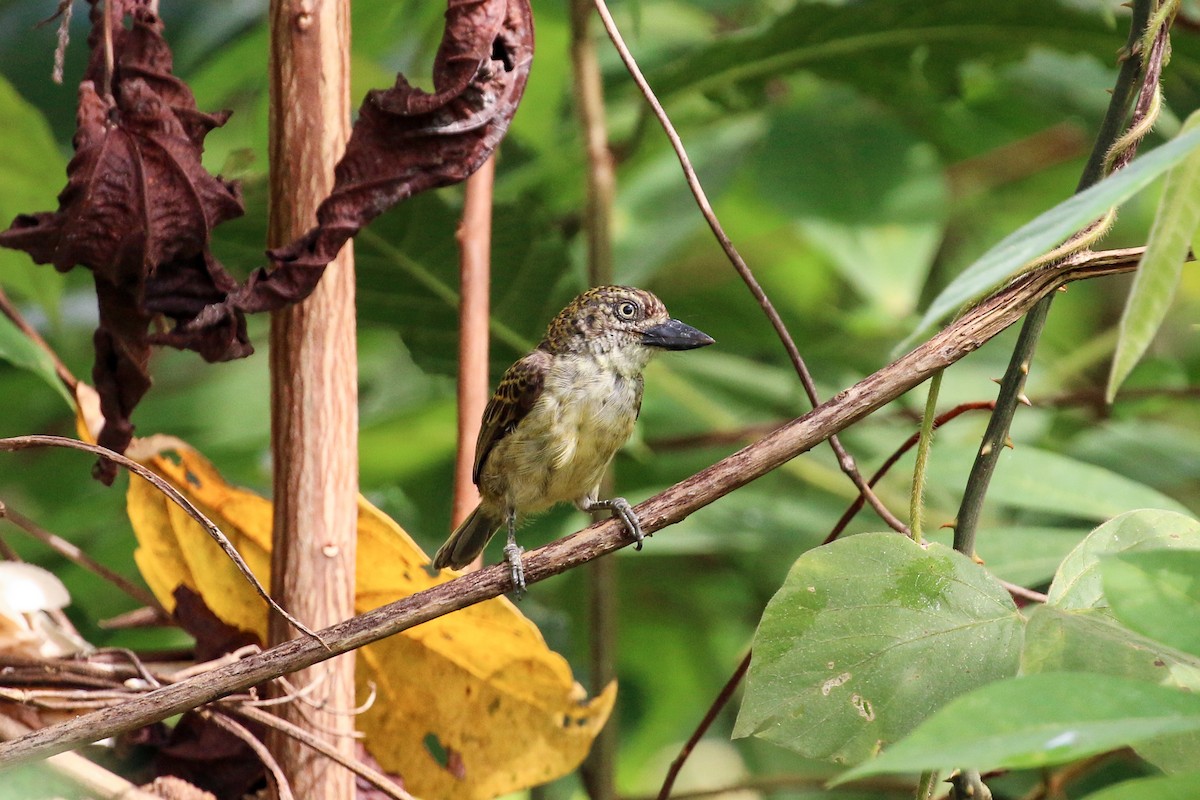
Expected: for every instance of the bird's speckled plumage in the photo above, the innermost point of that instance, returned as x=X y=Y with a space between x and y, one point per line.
x=561 y=413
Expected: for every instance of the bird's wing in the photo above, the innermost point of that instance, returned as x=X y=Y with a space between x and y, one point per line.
x=519 y=389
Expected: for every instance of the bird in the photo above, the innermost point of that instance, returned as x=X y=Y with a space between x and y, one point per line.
x=559 y=415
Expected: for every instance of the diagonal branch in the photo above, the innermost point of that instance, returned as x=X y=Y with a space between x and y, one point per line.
x=845 y=460
x=961 y=338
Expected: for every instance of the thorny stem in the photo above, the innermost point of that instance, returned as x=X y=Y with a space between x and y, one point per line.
x=1012 y=385
x=916 y=506
x=845 y=460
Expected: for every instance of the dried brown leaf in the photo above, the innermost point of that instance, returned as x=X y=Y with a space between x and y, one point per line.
x=137 y=211
x=407 y=141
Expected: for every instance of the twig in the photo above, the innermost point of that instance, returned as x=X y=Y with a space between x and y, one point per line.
x=76 y=556
x=63 y=14
x=845 y=460
x=373 y=776
x=282 y=790
x=1016 y=590
x=26 y=442
x=87 y=775
x=962 y=337
x=710 y=716
x=891 y=460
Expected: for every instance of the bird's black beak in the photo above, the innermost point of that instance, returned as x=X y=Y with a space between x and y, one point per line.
x=675 y=335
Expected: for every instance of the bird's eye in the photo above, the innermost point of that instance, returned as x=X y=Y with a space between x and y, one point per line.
x=627 y=310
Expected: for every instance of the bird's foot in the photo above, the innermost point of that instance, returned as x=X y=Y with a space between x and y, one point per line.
x=622 y=510
x=512 y=554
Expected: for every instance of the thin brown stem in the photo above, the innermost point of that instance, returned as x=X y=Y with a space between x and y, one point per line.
x=282 y=790
x=600 y=768
x=845 y=460
x=373 y=776
x=891 y=460
x=26 y=442
x=76 y=556
x=710 y=716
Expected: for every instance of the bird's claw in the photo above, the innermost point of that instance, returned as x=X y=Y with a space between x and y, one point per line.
x=624 y=511
x=512 y=554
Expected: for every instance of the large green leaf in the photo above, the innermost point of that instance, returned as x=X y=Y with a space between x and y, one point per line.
x=866 y=637
x=1051 y=228
x=1078 y=582
x=1157 y=592
x=1168 y=787
x=1036 y=721
x=1174 y=230
x=1090 y=640
x=881 y=45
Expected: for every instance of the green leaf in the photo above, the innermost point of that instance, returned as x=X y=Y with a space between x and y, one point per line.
x=1078 y=582
x=1050 y=229
x=1176 y=226
x=1090 y=640
x=867 y=636
x=1157 y=593
x=1039 y=480
x=884 y=45
x=1161 y=787
x=1036 y=721
x=18 y=349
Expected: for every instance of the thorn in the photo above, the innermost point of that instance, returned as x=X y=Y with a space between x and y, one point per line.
x=1008 y=442
x=996 y=381
x=1024 y=367
x=1024 y=399
x=952 y=524
x=975 y=557
x=986 y=450
x=1061 y=290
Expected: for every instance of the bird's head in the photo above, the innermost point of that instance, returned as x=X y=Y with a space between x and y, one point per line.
x=620 y=321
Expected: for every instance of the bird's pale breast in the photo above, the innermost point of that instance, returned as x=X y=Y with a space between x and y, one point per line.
x=559 y=451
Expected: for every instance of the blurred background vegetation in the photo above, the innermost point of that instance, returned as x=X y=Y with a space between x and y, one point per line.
x=859 y=154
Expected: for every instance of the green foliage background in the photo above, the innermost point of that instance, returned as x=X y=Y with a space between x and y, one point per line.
x=859 y=154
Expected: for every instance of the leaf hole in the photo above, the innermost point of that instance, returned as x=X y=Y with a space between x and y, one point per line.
x=500 y=53
x=435 y=748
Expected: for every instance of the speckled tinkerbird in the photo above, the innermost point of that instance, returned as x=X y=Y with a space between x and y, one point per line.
x=561 y=413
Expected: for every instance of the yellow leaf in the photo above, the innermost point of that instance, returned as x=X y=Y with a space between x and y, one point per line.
x=471 y=705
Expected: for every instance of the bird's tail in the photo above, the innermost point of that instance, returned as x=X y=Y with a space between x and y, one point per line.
x=468 y=539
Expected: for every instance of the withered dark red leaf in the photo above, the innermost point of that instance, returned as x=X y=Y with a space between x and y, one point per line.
x=407 y=141
x=137 y=211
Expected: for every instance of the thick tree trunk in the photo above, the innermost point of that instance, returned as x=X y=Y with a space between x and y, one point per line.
x=314 y=380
